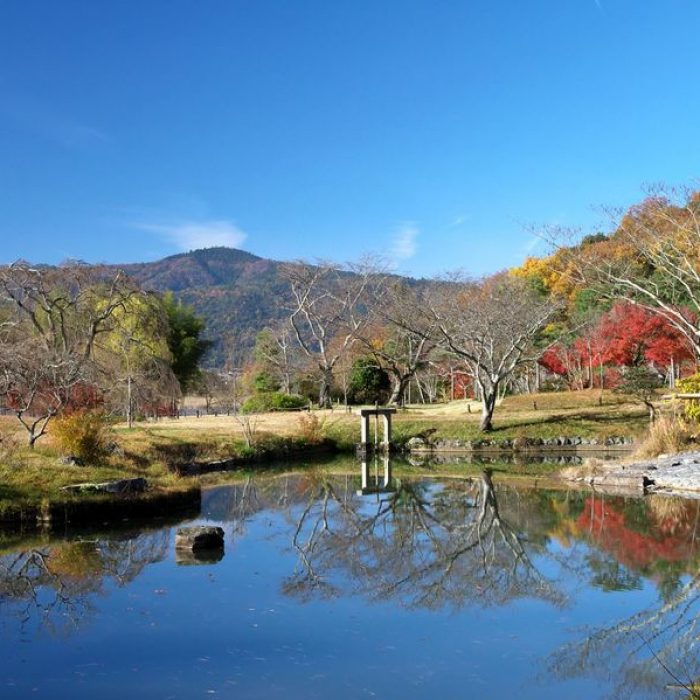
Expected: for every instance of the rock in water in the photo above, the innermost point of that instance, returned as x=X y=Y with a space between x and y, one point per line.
x=199 y=537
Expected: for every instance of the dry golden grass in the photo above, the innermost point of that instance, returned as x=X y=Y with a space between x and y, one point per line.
x=534 y=415
x=666 y=435
x=565 y=413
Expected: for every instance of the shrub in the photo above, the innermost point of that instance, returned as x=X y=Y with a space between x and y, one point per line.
x=83 y=434
x=273 y=401
x=311 y=428
x=369 y=383
x=690 y=385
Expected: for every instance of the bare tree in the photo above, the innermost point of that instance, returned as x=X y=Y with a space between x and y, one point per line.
x=329 y=306
x=419 y=547
x=490 y=325
x=37 y=382
x=54 y=585
x=275 y=353
x=52 y=319
x=400 y=336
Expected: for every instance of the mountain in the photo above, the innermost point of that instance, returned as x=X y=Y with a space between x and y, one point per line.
x=235 y=292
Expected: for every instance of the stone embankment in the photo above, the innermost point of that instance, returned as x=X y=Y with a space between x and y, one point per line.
x=421 y=444
x=677 y=474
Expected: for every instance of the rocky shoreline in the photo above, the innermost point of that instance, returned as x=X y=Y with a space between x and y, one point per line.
x=677 y=474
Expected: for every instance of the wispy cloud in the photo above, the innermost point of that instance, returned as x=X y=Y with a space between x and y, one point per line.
x=458 y=221
x=49 y=123
x=404 y=242
x=191 y=235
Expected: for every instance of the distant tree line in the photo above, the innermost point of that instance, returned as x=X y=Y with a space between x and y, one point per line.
x=78 y=337
x=617 y=311
x=612 y=311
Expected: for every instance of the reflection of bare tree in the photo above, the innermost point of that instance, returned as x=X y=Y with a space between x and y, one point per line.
x=426 y=545
x=52 y=585
x=654 y=648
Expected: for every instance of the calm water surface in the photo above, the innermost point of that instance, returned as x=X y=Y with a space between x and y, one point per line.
x=430 y=589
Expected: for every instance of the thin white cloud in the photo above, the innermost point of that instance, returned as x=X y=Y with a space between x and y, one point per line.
x=47 y=122
x=191 y=235
x=458 y=221
x=404 y=243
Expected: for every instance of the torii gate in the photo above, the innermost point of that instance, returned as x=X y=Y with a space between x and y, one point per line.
x=365 y=414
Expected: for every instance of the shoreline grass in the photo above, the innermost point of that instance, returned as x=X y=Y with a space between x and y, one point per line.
x=154 y=450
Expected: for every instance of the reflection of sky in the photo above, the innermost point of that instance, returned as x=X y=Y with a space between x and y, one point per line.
x=183 y=631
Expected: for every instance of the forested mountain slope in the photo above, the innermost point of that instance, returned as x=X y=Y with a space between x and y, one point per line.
x=236 y=293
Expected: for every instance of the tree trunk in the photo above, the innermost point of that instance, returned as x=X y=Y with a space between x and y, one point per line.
x=324 y=392
x=652 y=411
x=487 y=407
x=398 y=390
x=129 y=404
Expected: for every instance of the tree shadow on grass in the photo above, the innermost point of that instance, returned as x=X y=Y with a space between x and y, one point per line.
x=595 y=418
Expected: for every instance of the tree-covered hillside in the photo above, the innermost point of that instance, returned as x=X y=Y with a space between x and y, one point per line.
x=236 y=293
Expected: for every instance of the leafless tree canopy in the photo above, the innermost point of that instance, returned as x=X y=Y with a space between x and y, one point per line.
x=416 y=547
x=399 y=334
x=490 y=325
x=63 y=328
x=52 y=586
x=329 y=307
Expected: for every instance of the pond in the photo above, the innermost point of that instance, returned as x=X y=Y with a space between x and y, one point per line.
x=332 y=585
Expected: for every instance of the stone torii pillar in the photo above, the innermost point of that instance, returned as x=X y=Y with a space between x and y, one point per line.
x=365 y=414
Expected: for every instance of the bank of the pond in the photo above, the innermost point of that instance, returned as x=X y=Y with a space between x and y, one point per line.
x=176 y=456
x=677 y=474
x=100 y=509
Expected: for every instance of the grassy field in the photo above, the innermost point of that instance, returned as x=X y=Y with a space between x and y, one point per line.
x=572 y=414
x=153 y=448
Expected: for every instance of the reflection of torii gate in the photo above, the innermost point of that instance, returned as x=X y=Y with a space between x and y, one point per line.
x=365 y=414
x=377 y=485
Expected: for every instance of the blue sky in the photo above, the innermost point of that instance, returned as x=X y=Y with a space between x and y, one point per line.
x=434 y=133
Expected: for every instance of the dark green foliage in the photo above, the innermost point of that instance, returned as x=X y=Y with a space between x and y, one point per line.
x=273 y=401
x=593 y=238
x=369 y=383
x=184 y=341
x=265 y=382
x=642 y=383
x=589 y=303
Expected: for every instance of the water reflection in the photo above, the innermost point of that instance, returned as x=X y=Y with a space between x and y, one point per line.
x=422 y=545
x=372 y=481
x=53 y=586
x=653 y=539
x=418 y=545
